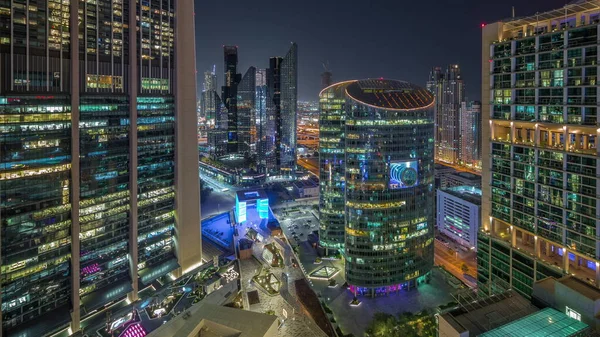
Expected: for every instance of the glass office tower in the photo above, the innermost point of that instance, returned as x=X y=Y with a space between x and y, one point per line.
x=377 y=175
x=229 y=95
x=92 y=213
x=246 y=97
x=281 y=109
x=540 y=205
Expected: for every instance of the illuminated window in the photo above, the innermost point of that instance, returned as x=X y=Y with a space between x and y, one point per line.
x=573 y=314
x=155 y=84
x=104 y=81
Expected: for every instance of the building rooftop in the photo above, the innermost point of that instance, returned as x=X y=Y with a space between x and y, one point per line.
x=573 y=7
x=577 y=285
x=547 y=322
x=247 y=195
x=218 y=321
x=469 y=193
x=390 y=94
x=484 y=315
x=305 y=183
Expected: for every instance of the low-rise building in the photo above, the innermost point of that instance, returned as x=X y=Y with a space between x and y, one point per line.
x=458 y=214
x=507 y=315
x=216 y=321
x=569 y=295
x=306 y=188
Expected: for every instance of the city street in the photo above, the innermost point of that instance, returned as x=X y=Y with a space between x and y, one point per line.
x=452 y=259
x=311 y=164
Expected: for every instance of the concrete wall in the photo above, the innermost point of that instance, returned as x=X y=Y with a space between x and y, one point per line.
x=445 y=329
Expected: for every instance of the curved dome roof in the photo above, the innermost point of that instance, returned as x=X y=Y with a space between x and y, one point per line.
x=390 y=94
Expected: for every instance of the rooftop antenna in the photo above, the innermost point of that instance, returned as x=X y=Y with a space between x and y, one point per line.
x=326 y=66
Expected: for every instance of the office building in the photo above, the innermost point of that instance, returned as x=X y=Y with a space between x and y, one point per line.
x=229 y=95
x=449 y=91
x=281 y=106
x=377 y=200
x=540 y=212
x=458 y=214
x=217 y=135
x=91 y=214
x=470 y=132
x=246 y=105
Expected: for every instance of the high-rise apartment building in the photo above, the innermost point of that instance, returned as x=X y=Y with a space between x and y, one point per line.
x=210 y=79
x=376 y=160
x=282 y=105
x=470 y=135
x=229 y=93
x=246 y=101
x=449 y=90
x=540 y=205
x=99 y=190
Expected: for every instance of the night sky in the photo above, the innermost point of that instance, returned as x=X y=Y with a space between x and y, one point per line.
x=398 y=39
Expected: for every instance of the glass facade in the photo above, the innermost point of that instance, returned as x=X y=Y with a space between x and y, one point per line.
x=35 y=187
x=541 y=209
x=279 y=157
x=71 y=221
x=104 y=192
x=332 y=163
x=246 y=111
x=156 y=180
x=378 y=142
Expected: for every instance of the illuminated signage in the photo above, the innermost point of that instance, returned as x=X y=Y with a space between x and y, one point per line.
x=403 y=174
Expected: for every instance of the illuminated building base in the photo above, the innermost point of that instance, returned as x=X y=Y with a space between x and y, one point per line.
x=386 y=290
x=243 y=199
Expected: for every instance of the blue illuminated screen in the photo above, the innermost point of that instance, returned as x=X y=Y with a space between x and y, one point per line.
x=403 y=174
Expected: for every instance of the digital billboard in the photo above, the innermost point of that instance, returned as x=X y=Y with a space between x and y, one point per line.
x=403 y=174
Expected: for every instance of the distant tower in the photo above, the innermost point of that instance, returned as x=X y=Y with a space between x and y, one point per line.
x=449 y=91
x=326 y=77
x=229 y=96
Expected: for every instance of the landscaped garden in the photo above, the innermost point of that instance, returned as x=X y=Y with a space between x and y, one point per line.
x=158 y=309
x=325 y=273
x=272 y=255
x=120 y=324
x=267 y=282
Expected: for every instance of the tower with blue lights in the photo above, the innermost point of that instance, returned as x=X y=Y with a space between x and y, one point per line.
x=376 y=159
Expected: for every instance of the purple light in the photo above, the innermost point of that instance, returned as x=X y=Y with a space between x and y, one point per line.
x=134 y=330
x=91 y=269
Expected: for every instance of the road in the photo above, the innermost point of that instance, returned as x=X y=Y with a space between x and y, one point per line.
x=311 y=164
x=459 y=168
x=453 y=263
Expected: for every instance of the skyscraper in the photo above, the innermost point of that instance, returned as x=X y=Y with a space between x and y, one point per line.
x=229 y=93
x=89 y=213
x=282 y=105
x=376 y=160
x=217 y=135
x=207 y=98
x=448 y=88
x=540 y=211
x=470 y=135
x=210 y=79
x=260 y=122
x=246 y=101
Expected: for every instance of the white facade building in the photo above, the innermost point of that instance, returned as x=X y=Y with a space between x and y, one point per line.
x=458 y=214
